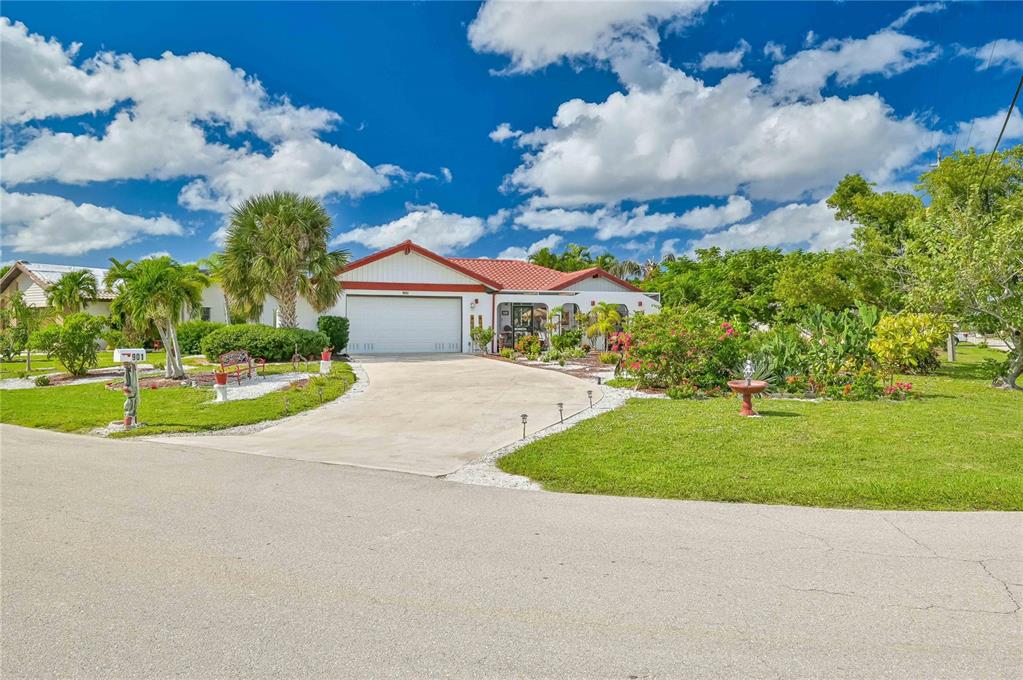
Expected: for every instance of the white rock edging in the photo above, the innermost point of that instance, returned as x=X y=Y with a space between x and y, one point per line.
x=484 y=472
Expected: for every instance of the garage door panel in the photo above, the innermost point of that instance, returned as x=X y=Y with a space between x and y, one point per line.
x=391 y=324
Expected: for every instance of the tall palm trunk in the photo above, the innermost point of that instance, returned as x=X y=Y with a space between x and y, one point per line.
x=287 y=315
x=175 y=366
x=167 y=368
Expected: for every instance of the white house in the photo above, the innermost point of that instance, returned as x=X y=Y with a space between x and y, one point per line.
x=409 y=299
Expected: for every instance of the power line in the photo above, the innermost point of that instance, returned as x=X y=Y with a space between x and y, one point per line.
x=1005 y=124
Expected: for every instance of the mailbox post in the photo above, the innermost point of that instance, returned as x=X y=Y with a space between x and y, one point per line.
x=129 y=359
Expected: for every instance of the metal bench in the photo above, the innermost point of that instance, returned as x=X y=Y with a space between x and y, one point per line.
x=239 y=359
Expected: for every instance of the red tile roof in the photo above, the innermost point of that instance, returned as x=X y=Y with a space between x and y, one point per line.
x=499 y=274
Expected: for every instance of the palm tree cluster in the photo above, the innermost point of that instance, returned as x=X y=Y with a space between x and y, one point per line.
x=277 y=245
x=156 y=293
x=73 y=291
x=576 y=257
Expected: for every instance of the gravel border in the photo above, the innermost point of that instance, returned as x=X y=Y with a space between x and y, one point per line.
x=484 y=472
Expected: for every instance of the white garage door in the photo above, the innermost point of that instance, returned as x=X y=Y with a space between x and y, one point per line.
x=404 y=324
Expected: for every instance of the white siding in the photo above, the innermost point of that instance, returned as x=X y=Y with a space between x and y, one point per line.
x=35 y=296
x=411 y=268
x=598 y=284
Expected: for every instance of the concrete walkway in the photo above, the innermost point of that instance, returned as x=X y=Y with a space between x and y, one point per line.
x=423 y=414
x=129 y=559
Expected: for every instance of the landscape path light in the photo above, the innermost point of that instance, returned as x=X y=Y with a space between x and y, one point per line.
x=589 y=395
x=561 y=411
x=524 y=418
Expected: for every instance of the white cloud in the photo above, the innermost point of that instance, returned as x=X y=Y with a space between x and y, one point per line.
x=810 y=225
x=1002 y=52
x=886 y=52
x=774 y=50
x=982 y=132
x=535 y=33
x=611 y=222
x=670 y=247
x=904 y=18
x=503 y=132
x=446 y=174
x=551 y=241
x=155 y=255
x=426 y=225
x=685 y=138
x=41 y=223
x=810 y=39
x=726 y=60
x=170 y=108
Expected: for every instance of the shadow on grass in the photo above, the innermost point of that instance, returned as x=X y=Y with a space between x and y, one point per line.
x=779 y=414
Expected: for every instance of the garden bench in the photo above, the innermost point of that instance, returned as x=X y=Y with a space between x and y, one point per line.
x=237 y=359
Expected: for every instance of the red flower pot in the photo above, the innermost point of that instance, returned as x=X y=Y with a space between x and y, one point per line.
x=325 y=355
x=221 y=378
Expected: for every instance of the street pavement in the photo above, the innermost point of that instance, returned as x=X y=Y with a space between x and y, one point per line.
x=127 y=559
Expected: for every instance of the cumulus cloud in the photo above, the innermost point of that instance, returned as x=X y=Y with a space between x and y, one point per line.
x=726 y=60
x=551 y=241
x=427 y=225
x=170 y=107
x=809 y=225
x=535 y=33
x=774 y=50
x=982 y=132
x=1003 y=52
x=612 y=222
x=886 y=52
x=685 y=138
x=928 y=8
x=503 y=132
x=40 y=223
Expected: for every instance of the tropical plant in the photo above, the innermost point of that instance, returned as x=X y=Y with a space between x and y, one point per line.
x=567 y=339
x=838 y=342
x=908 y=343
x=605 y=319
x=277 y=245
x=75 y=343
x=21 y=320
x=529 y=345
x=73 y=291
x=158 y=292
x=213 y=265
x=482 y=335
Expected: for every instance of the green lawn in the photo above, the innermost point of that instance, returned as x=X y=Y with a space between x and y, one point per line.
x=41 y=365
x=959 y=447
x=81 y=408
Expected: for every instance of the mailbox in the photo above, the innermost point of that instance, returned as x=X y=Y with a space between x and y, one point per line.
x=129 y=356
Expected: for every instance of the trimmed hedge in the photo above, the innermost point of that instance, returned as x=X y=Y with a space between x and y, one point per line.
x=191 y=333
x=272 y=344
x=335 y=328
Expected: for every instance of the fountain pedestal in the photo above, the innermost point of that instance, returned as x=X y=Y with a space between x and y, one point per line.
x=747 y=390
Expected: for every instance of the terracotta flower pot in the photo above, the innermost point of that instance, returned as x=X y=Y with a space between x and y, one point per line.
x=325 y=355
x=221 y=378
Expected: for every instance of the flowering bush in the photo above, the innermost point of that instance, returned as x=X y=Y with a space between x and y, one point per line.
x=529 y=345
x=679 y=346
x=899 y=391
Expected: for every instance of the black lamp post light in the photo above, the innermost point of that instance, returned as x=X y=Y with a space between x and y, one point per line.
x=524 y=418
x=561 y=412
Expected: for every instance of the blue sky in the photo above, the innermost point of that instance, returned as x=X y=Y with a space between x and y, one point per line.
x=640 y=128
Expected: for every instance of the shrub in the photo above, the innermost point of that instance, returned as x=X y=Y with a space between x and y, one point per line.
x=908 y=343
x=272 y=344
x=508 y=353
x=610 y=358
x=681 y=345
x=482 y=335
x=684 y=391
x=567 y=339
x=114 y=338
x=42 y=381
x=45 y=339
x=10 y=343
x=191 y=333
x=336 y=330
x=75 y=346
x=529 y=345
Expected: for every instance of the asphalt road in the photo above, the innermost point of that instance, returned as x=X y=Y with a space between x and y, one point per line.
x=137 y=559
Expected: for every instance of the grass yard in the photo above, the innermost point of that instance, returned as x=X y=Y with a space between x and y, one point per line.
x=81 y=408
x=41 y=365
x=958 y=447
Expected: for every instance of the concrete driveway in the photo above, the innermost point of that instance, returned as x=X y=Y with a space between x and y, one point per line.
x=424 y=414
x=128 y=559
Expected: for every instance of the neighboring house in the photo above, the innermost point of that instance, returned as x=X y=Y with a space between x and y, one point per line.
x=33 y=279
x=409 y=299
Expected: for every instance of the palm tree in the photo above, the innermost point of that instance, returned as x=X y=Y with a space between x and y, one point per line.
x=73 y=291
x=277 y=245
x=604 y=320
x=24 y=319
x=214 y=264
x=626 y=269
x=158 y=291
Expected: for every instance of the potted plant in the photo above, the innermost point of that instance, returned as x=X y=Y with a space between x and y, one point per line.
x=326 y=353
x=220 y=376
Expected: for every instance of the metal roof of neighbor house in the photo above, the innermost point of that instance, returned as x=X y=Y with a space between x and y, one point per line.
x=46 y=275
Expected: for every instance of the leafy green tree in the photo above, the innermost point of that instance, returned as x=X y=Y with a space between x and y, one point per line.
x=158 y=292
x=21 y=320
x=834 y=280
x=545 y=257
x=277 y=245
x=74 y=343
x=73 y=291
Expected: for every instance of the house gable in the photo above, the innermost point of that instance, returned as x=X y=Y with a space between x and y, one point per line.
x=407 y=264
x=596 y=280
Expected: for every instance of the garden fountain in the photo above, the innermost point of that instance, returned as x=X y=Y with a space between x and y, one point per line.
x=747 y=387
